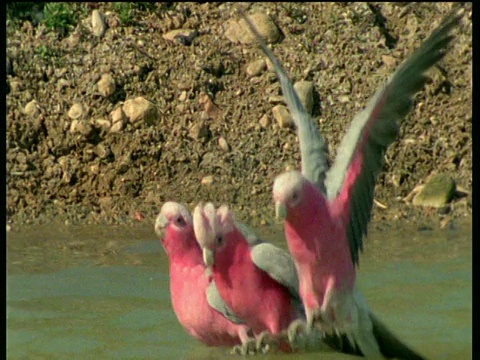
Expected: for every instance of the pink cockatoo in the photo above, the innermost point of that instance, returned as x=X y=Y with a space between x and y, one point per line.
x=258 y=281
x=195 y=299
x=326 y=212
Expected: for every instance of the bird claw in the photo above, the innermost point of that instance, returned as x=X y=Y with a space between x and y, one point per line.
x=261 y=345
x=297 y=333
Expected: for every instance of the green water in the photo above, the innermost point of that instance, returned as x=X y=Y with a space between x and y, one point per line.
x=103 y=293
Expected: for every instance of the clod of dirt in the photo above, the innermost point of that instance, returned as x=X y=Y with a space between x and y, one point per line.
x=140 y=110
x=305 y=93
x=106 y=85
x=98 y=24
x=282 y=115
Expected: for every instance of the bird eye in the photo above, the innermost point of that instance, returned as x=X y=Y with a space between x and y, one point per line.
x=180 y=221
x=219 y=240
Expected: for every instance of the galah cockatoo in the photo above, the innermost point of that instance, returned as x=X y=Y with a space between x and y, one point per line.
x=257 y=281
x=195 y=299
x=326 y=212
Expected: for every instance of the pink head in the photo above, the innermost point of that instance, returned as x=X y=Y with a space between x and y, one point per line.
x=211 y=226
x=174 y=227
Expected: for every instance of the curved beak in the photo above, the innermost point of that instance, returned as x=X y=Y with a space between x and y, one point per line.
x=160 y=225
x=280 y=210
x=208 y=257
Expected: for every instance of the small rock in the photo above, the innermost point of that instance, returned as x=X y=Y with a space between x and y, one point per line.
x=104 y=123
x=32 y=109
x=276 y=99
x=282 y=115
x=106 y=85
x=210 y=109
x=437 y=192
x=94 y=169
x=256 y=67
x=184 y=36
x=76 y=111
x=102 y=151
x=183 y=96
x=118 y=115
x=198 y=131
x=343 y=99
x=270 y=66
x=140 y=109
x=16 y=86
x=117 y=127
x=388 y=60
x=9 y=228
x=223 y=144
x=80 y=127
x=264 y=121
x=238 y=31
x=207 y=180
x=305 y=93
x=98 y=24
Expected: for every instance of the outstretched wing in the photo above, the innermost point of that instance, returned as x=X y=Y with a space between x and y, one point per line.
x=313 y=148
x=351 y=180
x=215 y=300
x=278 y=264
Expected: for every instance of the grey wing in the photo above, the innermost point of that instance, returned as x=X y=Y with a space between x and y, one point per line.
x=361 y=152
x=278 y=264
x=215 y=300
x=248 y=234
x=313 y=148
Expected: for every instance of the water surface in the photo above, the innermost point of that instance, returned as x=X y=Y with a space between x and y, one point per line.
x=103 y=292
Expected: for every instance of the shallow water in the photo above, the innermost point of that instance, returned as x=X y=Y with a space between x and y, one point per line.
x=103 y=292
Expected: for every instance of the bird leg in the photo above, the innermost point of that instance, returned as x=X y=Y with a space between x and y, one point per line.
x=266 y=341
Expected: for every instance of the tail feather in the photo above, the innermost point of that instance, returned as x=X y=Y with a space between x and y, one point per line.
x=390 y=345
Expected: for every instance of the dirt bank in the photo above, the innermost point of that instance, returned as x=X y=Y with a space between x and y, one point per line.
x=57 y=171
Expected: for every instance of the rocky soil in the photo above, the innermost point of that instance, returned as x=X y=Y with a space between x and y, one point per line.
x=128 y=109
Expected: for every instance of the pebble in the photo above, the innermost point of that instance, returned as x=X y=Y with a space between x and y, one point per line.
x=76 y=111
x=117 y=127
x=207 y=180
x=98 y=24
x=223 y=144
x=106 y=85
x=16 y=86
x=282 y=115
x=140 y=109
x=118 y=115
x=198 y=131
x=437 y=192
x=238 y=31
x=305 y=93
x=80 y=127
x=32 y=109
x=256 y=67
x=265 y=121
x=175 y=35
x=388 y=60
x=183 y=96
x=104 y=123
x=343 y=99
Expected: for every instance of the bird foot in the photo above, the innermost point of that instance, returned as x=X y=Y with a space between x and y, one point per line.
x=297 y=334
x=261 y=345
